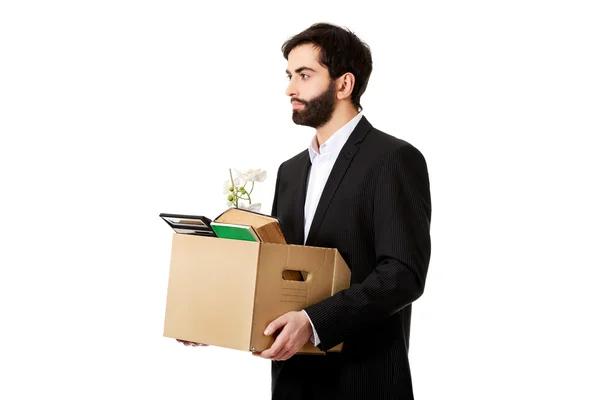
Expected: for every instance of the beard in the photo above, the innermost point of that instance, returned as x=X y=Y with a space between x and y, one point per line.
x=318 y=111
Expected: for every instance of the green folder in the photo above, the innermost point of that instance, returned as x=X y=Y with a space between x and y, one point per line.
x=235 y=231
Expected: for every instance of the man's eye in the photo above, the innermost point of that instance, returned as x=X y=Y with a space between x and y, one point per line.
x=289 y=77
x=304 y=76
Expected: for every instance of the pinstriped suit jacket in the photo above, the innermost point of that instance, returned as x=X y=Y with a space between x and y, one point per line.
x=376 y=210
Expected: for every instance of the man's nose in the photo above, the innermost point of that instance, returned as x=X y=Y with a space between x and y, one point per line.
x=291 y=90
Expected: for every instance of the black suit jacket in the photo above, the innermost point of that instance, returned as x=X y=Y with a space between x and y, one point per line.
x=376 y=210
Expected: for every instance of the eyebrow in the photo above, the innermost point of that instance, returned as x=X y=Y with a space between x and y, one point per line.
x=298 y=70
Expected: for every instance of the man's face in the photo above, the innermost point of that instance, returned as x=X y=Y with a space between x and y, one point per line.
x=311 y=89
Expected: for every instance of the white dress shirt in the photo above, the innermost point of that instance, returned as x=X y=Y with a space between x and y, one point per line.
x=322 y=160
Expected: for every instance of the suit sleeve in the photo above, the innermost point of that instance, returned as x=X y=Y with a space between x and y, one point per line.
x=401 y=219
x=274 y=207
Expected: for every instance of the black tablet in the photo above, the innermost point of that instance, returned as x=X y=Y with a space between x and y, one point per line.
x=189 y=224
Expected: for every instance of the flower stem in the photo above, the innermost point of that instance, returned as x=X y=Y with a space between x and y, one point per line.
x=235 y=197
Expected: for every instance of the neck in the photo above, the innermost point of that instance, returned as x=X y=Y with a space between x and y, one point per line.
x=340 y=117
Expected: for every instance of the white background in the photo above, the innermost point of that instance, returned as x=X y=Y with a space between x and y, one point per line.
x=112 y=112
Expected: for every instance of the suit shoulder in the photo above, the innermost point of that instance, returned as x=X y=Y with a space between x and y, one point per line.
x=295 y=161
x=387 y=145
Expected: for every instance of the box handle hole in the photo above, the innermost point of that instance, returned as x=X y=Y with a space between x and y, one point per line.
x=294 y=275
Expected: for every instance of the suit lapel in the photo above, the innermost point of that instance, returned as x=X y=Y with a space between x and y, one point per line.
x=300 y=197
x=338 y=171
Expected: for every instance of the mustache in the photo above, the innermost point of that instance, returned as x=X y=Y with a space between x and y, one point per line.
x=299 y=101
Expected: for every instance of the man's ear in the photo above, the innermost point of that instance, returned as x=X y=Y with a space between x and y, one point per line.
x=345 y=85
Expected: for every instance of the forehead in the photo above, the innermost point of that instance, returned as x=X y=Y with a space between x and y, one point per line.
x=305 y=55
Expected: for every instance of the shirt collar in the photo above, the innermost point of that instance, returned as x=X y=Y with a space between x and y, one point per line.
x=334 y=144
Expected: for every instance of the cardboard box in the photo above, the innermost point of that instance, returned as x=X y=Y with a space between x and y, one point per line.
x=225 y=292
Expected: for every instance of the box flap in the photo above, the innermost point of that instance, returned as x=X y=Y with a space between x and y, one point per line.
x=341 y=274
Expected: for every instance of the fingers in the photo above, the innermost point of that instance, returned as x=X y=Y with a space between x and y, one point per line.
x=277 y=324
x=287 y=355
x=276 y=347
x=288 y=342
x=282 y=354
x=281 y=339
x=288 y=351
x=193 y=344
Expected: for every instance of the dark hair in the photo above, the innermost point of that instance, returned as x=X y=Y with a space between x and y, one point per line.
x=341 y=51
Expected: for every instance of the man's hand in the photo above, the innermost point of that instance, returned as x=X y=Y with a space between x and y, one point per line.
x=193 y=344
x=295 y=332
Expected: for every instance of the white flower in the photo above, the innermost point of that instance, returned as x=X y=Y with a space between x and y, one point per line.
x=237 y=192
x=252 y=175
x=249 y=207
x=256 y=175
x=241 y=177
x=227 y=185
x=254 y=207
